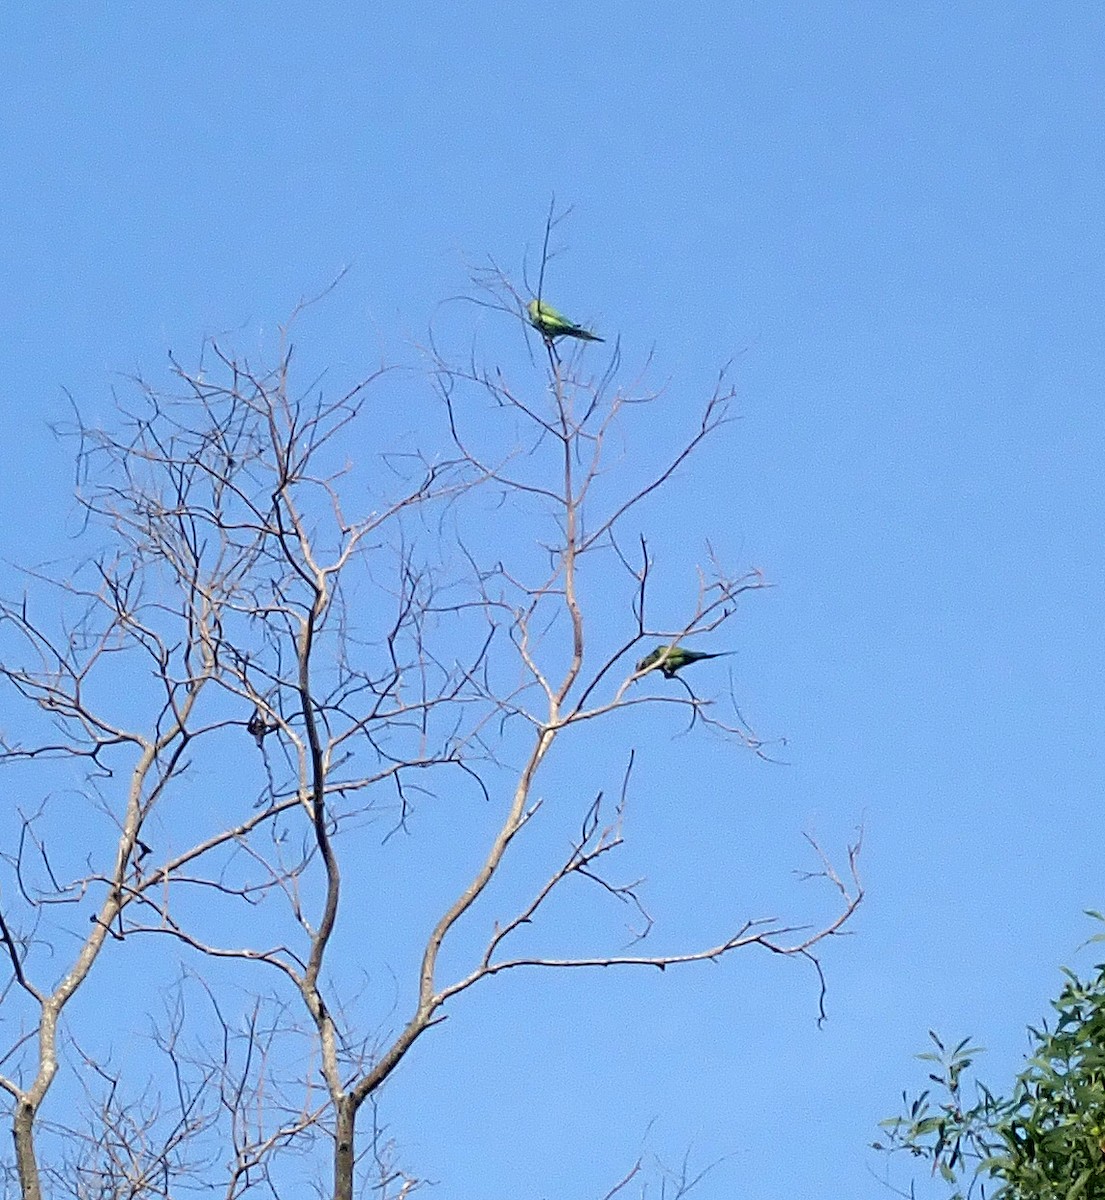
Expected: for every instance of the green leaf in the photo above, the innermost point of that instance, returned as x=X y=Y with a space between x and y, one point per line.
x=1080 y=1184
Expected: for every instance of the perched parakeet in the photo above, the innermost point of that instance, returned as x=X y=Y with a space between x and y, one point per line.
x=671 y=659
x=551 y=324
x=259 y=728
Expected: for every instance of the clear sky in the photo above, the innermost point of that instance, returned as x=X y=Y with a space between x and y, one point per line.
x=890 y=217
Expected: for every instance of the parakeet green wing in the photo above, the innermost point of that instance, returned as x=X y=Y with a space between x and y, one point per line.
x=671 y=659
x=552 y=324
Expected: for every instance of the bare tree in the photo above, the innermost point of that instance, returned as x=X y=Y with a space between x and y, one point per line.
x=244 y=686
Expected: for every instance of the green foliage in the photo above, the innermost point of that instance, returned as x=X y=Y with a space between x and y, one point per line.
x=1046 y=1140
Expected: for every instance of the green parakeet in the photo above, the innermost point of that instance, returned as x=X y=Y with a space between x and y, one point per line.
x=551 y=324
x=671 y=659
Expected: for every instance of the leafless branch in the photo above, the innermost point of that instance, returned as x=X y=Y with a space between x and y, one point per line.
x=243 y=673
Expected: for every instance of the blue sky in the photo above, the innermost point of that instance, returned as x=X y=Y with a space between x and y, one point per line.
x=889 y=217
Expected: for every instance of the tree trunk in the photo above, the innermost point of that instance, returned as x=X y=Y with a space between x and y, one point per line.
x=26 y=1166
x=343 y=1149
